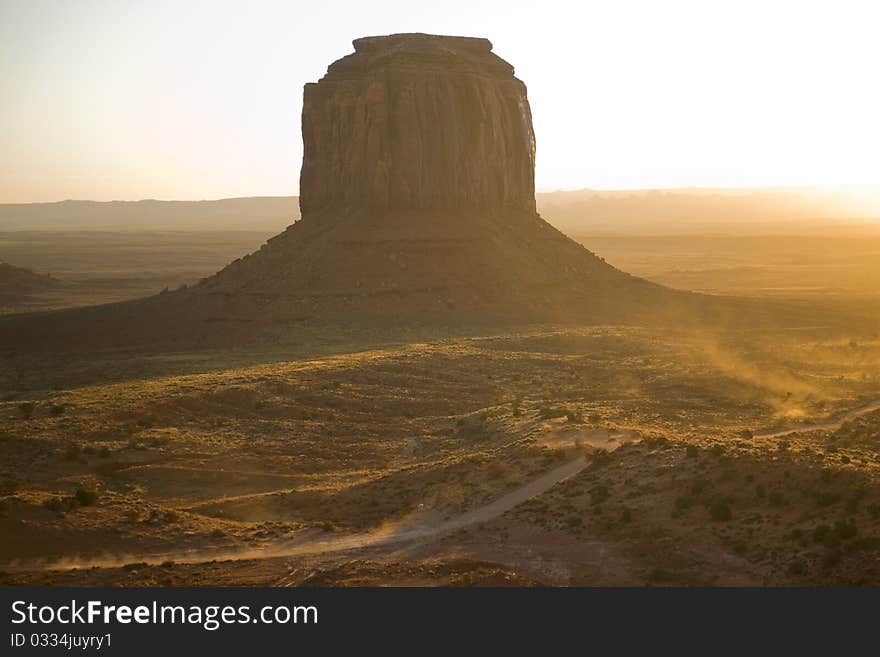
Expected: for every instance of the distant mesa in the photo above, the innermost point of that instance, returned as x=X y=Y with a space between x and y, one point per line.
x=18 y=284
x=417 y=198
x=23 y=279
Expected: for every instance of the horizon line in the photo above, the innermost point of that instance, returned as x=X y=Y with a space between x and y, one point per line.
x=556 y=190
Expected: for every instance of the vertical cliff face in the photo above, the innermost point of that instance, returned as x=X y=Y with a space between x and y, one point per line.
x=418 y=122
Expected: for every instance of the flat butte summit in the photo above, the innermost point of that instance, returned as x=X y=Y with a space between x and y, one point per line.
x=417 y=194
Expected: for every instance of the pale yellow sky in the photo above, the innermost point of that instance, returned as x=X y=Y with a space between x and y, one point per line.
x=189 y=100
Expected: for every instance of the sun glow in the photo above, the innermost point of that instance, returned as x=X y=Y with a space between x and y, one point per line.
x=202 y=100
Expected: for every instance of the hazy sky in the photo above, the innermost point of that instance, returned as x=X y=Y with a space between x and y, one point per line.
x=189 y=100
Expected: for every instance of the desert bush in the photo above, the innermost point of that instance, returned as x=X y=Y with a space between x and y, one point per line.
x=495 y=469
x=595 y=418
x=822 y=534
x=57 y=409
x=551 y=412
x=798 y=535
x=598 y=494
x=692 y=451
x=827 y=499
x=683 y=502
x=61 y=504
x=600 y=456
x=85 y=496
x=716 y=450
x=71 y=452
x=516 y=407
x=720 y=512
x=776 y=498
x=831 y=558
x=760 y=491
x=104 y=452
x=574 y=417
x=699 y=486
x=26 y=409
x=797 y=567
x=625 y=515
x=845 y=529
x=8 y=486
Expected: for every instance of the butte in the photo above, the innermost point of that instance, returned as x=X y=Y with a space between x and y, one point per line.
x=417 y=194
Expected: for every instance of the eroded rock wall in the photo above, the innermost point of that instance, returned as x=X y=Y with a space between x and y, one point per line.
x=416 y=121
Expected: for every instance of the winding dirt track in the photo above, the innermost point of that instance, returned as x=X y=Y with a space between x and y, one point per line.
x=830 y=425
x=315 y=545
x=416 y=530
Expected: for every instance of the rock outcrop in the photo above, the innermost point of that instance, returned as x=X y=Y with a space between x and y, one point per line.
x=418 y=208
x=418 y=122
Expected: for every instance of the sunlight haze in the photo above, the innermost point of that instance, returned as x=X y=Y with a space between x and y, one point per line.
x=192 y=100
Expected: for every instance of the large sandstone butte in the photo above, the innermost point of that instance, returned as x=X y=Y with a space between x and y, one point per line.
x=418 y=200
x=418 y=207
x=418 y=122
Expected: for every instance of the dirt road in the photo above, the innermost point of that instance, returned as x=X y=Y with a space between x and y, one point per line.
x=829 y=425
x=416 y=529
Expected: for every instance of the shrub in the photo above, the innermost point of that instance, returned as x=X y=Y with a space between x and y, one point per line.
x=822 y=534
x=595 y=418
x=57 y=409
x=683 y=502
x=845 y=529
x=692 y=451
x=759 y=490
x=832 y=558
x=104 y=452
x=495 y=469
x=8 y=487
x=699 y=486
x=827 y=499
x=71 y=452
x=60 y=504
x=85 y=496
x=797 y=567
x=551 y=412
x=598 y=494
x=625 y=515
x=516 y=407
x=716 y=450
x=776 y=498
x=27 y=409
x=600 y=456
x=720 y=512
x=574 y=417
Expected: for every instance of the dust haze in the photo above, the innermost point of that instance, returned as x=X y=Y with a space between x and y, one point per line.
x=422 y=372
